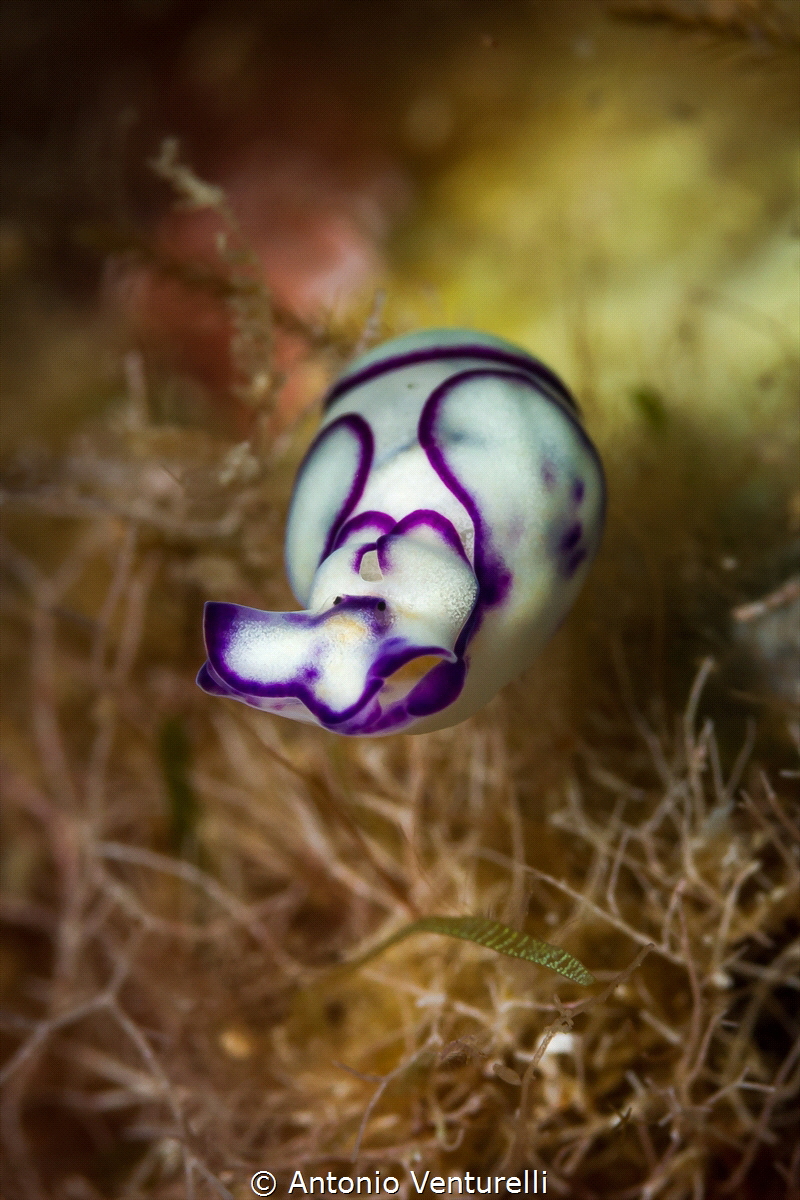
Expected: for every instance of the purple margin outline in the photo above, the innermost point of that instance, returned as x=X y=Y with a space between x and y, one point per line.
x=395 y=362
x=220 y=616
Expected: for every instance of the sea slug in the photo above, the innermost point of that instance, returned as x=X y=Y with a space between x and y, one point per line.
x=440 y=528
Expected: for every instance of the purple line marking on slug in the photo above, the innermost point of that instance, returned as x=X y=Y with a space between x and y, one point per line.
x=396 y=653
x=358 y=426
x=360 y=553
x=439 y=688
x=430 y=519
x=366 y=520
x=493 y=576
x=547 y=381
x=367 y=444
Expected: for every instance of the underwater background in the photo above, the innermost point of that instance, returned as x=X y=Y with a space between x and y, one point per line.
x=207 y=210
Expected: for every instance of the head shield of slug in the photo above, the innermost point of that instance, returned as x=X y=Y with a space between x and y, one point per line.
x=375 y=648
x=441 y=525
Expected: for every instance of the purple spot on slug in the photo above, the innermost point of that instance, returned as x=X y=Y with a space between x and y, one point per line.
x=574 y=561
x=570 y=539
x=549 y=476
x=578 y=491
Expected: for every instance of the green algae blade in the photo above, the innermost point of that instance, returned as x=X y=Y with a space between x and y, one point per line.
x=501 y=938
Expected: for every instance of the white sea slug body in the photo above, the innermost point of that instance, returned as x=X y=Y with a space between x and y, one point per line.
x=441 y=526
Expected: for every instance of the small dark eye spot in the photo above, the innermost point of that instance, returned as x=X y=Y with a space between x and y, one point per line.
x=381 y=605
x=337 y=600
